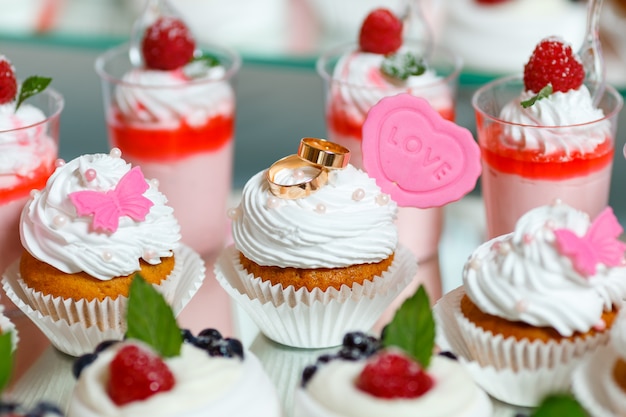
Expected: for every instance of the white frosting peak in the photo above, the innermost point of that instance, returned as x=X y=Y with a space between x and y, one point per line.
x=53 y=232
x=571 y=114
x=330 y=228
x=523 y=276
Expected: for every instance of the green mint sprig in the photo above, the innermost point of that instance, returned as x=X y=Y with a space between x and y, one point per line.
x=30 y=87
x=412 y=328
x=199 y=65
x=151 y=320
x=559 y=405
x=543 y=93
x=403 y=65
x=6 y=358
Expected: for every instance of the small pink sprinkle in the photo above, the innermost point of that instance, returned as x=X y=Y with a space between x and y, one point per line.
x=521 y=306
x=528 y=238
x=107 y=256
x=358 y=194
x=115 y=153
x=496 y=246
x=382 y=199
x=320 y=208
x=59 y=163
x=272 y=202
x=90 y=174
x=600 y=326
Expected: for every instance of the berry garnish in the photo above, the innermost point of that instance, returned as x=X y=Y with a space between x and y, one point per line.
x=358 y=345
x=381 y=32
x=41 y=409
x=167 y=44
x=136 y=374
x=393 y=375
x=8 y=82
x=82 y=362
x=553 y=62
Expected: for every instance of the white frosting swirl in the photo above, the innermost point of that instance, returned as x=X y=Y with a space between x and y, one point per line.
x=328 y=229
x=522 y=276
x=331 y=392
x=204 y=386
x=358 y=84
x=52 y=231
x=24 y=142
x=573 y=115
x=167 y=97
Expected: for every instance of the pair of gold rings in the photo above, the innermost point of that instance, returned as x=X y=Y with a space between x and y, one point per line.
x=312 y=162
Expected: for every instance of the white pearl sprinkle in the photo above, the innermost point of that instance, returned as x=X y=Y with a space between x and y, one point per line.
x=320 y=208
x=475 y=264
x=521 y=306
x=550 y=224
x=504 y=248
x=59 y=221
x=600 y=326
x=382 y=199
x=556 y=202
x=233 y=213
x=272 y=202
x=155 y=182
x=298 y=175
x=149 y=254
x=34 y=193
x=358 y=194
x=59 y=163
x=115 y=153
x=107 y=256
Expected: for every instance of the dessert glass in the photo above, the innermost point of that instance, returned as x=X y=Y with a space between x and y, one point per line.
x=516 y=179
x=191 y=155
x=419 y=229
x=27 y=158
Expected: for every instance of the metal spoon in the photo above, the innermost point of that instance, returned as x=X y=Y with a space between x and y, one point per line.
x=151 y=12
x=590 y=52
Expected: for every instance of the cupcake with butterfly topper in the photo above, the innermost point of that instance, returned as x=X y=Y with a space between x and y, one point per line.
x=536 y=302
x=96 y=224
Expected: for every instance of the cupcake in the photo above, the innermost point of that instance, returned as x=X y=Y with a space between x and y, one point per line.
x=97 y=223
x=163 y=371
x=537 y=301
x=396 y=375
x=599 y=383
x=315 y=250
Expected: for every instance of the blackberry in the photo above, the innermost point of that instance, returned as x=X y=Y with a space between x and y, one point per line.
x=188 y=337
x=104 y=345
x=307 y=374
x=448 y=354
x=357 y=345
x=82 y=362
x=227 y=348
x=44 y=408
x=208 y=337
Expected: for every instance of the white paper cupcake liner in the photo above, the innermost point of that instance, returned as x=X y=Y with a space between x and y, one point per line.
x=593 y=387
x=76 y=327
x=516 y=372
x=6 y=325
x=313 y=319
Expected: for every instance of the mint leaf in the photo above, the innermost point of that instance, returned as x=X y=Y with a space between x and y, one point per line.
x=559 y=405
x=412 y=328
x=151 y=320
x=207 y=59
x=403 y=65
x=30 y=87
x=6 y=358
x=543 y=93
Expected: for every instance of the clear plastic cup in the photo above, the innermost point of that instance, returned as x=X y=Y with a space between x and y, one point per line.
x=570 y=163
x=27 y=158
x=181 y=134
x=346 y=105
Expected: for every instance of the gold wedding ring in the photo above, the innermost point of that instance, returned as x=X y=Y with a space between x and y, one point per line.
x=324 y=153
x=300 y=189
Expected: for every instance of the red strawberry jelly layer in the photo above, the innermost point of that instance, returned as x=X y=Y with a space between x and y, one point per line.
x=36 y=180
x=533 y=164
x=163 y=145
x=342 y=123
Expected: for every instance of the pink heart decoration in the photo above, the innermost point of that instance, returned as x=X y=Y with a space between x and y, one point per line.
x=416 y=156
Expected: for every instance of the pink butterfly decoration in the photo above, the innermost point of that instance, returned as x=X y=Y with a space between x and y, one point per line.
x=126 y=199
x=600 y=244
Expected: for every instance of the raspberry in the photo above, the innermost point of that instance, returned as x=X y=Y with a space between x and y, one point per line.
x=8 y=83
x=393 y=375
x=553 y=62
x=381 y=32
x=167 y=44
x=136 y=374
